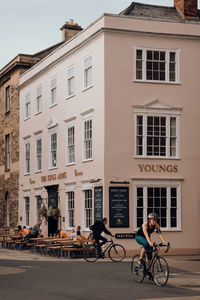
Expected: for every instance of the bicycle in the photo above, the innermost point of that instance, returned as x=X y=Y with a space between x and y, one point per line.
x=116 y=252
x=160 y=269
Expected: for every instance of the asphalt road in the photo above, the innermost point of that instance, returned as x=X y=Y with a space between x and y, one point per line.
x=53 y=279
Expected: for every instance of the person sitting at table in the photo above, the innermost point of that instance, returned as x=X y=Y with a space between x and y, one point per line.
x=34 y=232
x=61 y=234
x=25 y=231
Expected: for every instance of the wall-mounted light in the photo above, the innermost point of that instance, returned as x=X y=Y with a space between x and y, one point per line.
x=95 y=180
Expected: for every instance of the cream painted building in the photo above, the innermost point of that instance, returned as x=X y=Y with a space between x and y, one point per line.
x=109 y=126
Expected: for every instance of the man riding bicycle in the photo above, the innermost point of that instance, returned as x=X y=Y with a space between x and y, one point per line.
x=97 y=228
x=143 y=237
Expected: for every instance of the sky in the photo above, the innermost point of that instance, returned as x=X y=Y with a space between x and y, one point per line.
x=29 y=26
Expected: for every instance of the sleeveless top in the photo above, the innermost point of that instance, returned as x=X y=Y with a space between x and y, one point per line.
x=149 y=230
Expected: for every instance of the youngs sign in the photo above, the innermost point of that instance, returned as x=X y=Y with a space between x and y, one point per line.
x=156 y=168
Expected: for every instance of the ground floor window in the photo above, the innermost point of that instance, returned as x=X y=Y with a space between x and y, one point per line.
x=27 y=210
x=38 y=206
x=70 y=209
x=163 y=198
x=88 y=208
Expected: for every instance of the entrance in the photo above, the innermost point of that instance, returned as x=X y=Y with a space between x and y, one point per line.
x=53 y=218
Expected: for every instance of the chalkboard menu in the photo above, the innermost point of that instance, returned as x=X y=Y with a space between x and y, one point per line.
x=119 y=206
x=98 y=203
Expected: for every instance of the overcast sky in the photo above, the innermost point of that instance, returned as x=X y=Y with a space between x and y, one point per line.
x=29 y=26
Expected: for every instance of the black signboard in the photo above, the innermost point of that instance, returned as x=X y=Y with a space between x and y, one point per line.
x=98 y=203
x=119 y=206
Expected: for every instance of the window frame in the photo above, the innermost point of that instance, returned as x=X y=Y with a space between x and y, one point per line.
x=36 y=154
x=27 y=106
x=70 y=78
x=7 y=152
x=50 y=150
x=38 y=100
x=88 y=209
x=69 y=126
x=53 y=91
x=7 y=99
x=26 y=170
x=71 y=209
x=167 y=65
x=87 y=69
x=166 y=112
x=27 y=212
x=168 y=184
x=87 y=118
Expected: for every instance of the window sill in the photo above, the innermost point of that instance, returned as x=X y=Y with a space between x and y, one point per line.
x=156 y=157
x=37 y=113
x=39 y=171
x=69 y=97
x=27 y=118
x=7 y=170
x=7 y=112
x=87 y=160
x=70 y=164
x=87 y=88
x=53 y=168
x=52 y=105
x=156 y=81
x=27 y=174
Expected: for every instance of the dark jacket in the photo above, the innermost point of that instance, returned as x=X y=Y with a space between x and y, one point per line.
x=99 y=227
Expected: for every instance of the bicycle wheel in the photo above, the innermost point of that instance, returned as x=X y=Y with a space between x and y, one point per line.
x=137 y=269
x=160 y=271
x=90 y=253
x=116 y=252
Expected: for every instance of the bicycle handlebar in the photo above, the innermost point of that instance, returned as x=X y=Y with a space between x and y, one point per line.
x=162 y=245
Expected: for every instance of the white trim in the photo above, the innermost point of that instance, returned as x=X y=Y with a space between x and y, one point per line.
x=70 y=124
x=157 y=109
x=50 y=161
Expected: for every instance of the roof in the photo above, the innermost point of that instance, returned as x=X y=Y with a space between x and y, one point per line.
x=148 y=11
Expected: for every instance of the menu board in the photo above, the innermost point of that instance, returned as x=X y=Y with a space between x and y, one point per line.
x=119 y=206
x=98 y=203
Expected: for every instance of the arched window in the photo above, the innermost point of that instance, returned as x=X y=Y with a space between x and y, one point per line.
x=7 y=215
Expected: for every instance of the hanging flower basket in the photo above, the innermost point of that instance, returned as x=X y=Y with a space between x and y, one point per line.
x=43 y=212
x=53 y=212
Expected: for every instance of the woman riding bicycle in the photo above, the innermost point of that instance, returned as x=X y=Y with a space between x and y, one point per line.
x=143 y=237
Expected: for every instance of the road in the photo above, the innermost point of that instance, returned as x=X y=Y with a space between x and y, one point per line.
x=28 y=276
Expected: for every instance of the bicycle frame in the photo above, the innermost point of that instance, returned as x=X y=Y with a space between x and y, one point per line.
x=107 y=247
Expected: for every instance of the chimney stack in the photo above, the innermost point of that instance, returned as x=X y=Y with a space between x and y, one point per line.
x=69 y=29
x=187 y=8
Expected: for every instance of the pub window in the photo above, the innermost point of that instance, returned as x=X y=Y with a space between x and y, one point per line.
x=87 y=146
x=70 y=209
x=27 y=210
x=38 y=154
x=88 y=208
x=161 y=199
x=88 y=72
x=38 y=102
x=70 y=81
x=27 y=112
x=38 y=206
x=70 y=143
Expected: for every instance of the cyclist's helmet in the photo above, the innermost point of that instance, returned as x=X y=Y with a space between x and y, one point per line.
x=153 y=216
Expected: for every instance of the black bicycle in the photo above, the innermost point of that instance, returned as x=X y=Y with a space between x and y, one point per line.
x=158 y=265
x=116 y=252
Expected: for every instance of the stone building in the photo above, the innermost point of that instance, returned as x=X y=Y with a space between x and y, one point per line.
x=9 y=126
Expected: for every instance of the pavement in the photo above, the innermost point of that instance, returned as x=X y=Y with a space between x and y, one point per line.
x=183 y=283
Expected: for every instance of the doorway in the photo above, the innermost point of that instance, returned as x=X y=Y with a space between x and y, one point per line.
x=53 y=219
